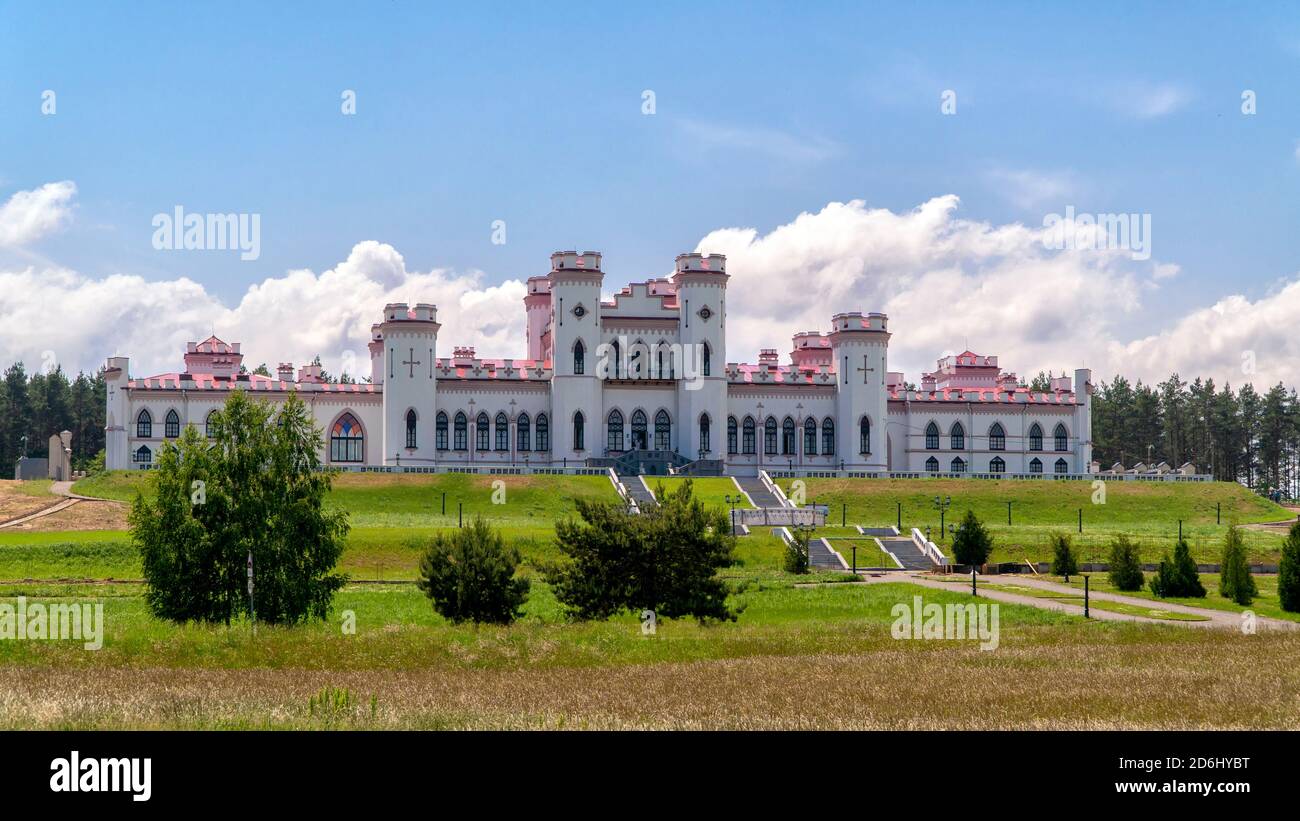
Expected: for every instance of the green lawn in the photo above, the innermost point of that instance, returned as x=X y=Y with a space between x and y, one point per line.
x=712 y=490
x=868 y=554
x=1147 y=511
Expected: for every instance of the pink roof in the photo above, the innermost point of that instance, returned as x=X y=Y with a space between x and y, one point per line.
x=254 y=382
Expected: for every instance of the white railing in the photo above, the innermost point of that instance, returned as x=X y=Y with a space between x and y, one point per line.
x=929 y=548
x=823 y=473
x=623 y=494
x=781 y=516
x=886 y=551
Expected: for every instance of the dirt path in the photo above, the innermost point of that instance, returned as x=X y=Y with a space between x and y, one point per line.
x=1221 y=619
x=72 y=511
x=1012 y=598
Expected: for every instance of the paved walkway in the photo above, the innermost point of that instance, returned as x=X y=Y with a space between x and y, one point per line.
x=1222 y=619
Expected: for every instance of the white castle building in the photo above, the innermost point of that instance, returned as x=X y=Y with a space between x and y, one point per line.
x=640 y=383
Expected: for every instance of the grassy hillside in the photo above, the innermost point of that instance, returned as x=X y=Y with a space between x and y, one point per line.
x=1147 y=511
x=712 y=490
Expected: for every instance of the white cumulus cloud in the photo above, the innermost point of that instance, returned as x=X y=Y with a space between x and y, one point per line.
x=289 y=318
x=28 y=216
x=947 y=283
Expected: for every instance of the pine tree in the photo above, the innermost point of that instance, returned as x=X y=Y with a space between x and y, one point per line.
x=971 y=544
x=469 y=574
x=1064 y=562
x=1235 y=581
x=1178 y=577
x=1288 y=572
x=1125 y=564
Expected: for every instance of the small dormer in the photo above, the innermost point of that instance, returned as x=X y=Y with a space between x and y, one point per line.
x=285 y=371
x=768 y=358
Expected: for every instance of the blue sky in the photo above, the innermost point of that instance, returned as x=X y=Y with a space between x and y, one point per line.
x=532 y=114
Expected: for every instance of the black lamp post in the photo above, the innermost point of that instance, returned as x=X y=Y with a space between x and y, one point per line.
x=731 y=500
x=942 y=506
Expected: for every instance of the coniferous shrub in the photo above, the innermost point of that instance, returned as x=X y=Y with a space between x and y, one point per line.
x=1064 y=562
x=665 y=559
x=1288 y=571
x=469 y=574
x=971 y=544
x=1178 y=577
x=796 y=552
x=1125 y=564
x=1235 y=581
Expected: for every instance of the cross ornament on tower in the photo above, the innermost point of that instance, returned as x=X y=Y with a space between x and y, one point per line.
x=412 y=362
x=864 y=369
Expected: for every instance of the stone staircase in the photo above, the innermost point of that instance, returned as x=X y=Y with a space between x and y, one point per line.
x=757 y=491
x=639 y=492
x=819 y=555
x=909 y=555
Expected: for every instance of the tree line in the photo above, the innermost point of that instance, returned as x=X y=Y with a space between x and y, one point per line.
x=1242 y=436
x=40 y=404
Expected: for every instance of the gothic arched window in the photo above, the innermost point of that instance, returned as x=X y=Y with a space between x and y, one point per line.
x=864 y=435
x=932 y=436
x=207 y=424
x=523 y=432
x=543 y=432
x=958 y=465
x=462 y=431
x=1035 y=465
x=932 y=465
x=787 y=436
x=640 y=430
x=482 y=432
x=410 y=428
x=614 y=431
x=708 y=358
x=503 y=432
x=704 y=434
x=663 y=431
x=579 y=431
x=143 y=455
x=1035 y=438
x=144 y=425
x=747 y=444
x=440 y=431
x=997 y=437
x=1062 y=466
x=810 y=437
x=579 y=358
x=828 y=437
x=733 y=438
x=172 y=425
x=957 y=437
x=1062 y=438
x=769 y=436
x=996 y=465
x=347 y=442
